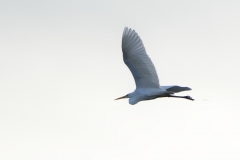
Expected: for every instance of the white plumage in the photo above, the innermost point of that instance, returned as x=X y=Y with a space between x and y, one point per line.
x=143 y=71
x=137 y=60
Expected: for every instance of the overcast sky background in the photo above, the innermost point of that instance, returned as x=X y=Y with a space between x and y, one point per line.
x=61 y=69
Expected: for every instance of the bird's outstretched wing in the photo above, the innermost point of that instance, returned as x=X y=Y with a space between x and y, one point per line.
x=175 y=88
x=137 y=60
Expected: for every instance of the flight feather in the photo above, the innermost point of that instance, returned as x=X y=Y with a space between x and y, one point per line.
x=137 y=60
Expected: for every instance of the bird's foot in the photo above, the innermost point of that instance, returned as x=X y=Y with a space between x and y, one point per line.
x=190 y=98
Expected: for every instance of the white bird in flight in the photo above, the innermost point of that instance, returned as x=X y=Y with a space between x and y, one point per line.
x=143 y=71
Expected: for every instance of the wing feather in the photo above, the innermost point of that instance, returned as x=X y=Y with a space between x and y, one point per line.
x=175 y=88
x=137 y=60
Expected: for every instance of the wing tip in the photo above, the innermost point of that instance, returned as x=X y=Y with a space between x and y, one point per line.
x=125 y=29
x=128 y=29
x=129 y=32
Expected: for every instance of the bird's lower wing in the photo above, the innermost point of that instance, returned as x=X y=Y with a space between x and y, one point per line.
x=176 y=89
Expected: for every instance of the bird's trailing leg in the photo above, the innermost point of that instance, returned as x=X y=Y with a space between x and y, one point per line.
x=186 y=97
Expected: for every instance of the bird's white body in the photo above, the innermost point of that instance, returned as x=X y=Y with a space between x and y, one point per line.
x=143 y=71
x=142 y=94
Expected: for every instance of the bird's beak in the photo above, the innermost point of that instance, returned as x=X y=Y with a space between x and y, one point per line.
x=121 y=97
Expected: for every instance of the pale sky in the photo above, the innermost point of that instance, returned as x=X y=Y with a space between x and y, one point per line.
x=61 y=69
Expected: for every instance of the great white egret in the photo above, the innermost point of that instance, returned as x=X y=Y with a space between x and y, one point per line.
x=143 y=71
